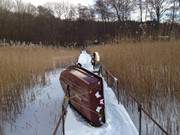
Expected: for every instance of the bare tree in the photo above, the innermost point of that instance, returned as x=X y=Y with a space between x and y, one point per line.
x=157 y=8
x=86 y=13
x=173 y=9
x=6 y=4
x=59 y=9
x=31 y=9
x=103 y=10
x=122 y=8
x=140 y=5
x=42 y=11
x=19 y=6
x=72 y=13
x=62 y=9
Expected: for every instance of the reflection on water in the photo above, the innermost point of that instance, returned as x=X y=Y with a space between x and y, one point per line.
x=32 y=109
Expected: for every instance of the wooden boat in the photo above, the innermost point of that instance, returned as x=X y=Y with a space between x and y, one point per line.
x=85 y=91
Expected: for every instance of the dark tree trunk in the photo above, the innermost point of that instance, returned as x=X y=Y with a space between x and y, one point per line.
x=158 y=14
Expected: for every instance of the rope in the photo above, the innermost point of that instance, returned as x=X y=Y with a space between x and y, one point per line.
x=57 y=125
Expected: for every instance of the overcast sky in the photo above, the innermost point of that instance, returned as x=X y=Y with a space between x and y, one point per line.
x=75 y=2
x=41 y=2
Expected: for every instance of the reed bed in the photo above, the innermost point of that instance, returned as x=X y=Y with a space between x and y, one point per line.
x=151 y=72
x=22 y=68
x=19 y=64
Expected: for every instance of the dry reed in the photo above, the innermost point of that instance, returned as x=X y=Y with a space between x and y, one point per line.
x=144 y=67
x=18 y=65
x=151 y=72
x=21 y=68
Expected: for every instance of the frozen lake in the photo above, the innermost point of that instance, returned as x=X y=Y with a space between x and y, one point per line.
x=42 y=109
x=40 y=114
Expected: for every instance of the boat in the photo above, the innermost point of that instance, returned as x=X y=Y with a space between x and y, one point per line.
x=84 y=90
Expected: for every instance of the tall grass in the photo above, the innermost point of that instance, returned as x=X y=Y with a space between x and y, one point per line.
x=151 y=72
x=23 y=67
x=19 y=64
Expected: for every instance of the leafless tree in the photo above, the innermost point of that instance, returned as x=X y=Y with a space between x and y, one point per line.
x=6 y=4
x=59 y=9
x=31 y=9
x=62 y=9
x=173 y=16
x=103 y=10
x=19 y=6
x=122 y=8
x=140 y=5
x=42 y=11
x=173 y=9
x=86 y=13
x=72 y=13
x=157 y=8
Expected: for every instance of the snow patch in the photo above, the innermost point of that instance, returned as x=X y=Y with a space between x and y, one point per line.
x=118 y=121
x=40 y=117
x=85 y=60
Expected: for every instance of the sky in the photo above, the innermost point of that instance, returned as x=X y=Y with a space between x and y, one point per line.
x=75 y=2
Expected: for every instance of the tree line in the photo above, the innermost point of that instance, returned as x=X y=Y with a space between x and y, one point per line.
x=65 y=24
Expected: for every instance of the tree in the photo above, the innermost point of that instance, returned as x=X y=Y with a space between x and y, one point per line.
x=62 y=9
x=157 y=8
x=19 y=6
x=140 y=5
x=42 y=11
x=103 y=10
x=122 y=8
x=6 y=4
x=31 y=9
x=59 y=9
x=173 y=11
x=86 y=13
x=72 y=15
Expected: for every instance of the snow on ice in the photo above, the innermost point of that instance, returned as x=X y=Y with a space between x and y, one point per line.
x=40 y=116
x=118 y=121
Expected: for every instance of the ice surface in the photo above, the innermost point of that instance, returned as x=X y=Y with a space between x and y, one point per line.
x=118 y=121
x=40 y=116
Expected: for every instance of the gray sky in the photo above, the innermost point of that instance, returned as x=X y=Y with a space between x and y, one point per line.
x=41 y=2
x=75 y=2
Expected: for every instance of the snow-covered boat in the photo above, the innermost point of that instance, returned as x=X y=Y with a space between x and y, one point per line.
x=85 y=92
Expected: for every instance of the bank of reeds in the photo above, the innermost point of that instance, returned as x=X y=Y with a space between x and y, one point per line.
x=144 y=67
x=151 y=72
x=22 y=68
x=19 y=64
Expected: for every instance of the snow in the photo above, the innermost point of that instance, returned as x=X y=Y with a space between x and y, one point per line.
x=118 y=121
x=85 y=60
x=41 y=115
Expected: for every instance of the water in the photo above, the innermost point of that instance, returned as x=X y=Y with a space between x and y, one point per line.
x=38 y=110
